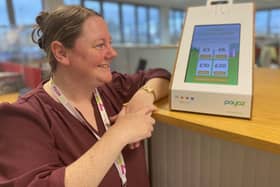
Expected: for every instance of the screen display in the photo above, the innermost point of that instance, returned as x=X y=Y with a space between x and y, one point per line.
x=214 y=54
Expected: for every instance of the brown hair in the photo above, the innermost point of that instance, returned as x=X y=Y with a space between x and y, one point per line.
x=63 y=24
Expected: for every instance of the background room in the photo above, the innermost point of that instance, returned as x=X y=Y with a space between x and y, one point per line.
x=187 y=149
x=145 y=34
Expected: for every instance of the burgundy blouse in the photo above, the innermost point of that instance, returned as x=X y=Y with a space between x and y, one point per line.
x=39 y=137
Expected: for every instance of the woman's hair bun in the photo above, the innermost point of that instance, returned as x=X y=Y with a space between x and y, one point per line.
x=38 y=34
x=40 y=19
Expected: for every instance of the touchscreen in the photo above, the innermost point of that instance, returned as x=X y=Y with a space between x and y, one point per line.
x=214 y=54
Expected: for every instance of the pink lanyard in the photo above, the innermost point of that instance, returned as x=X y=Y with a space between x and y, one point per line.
x=119 y=162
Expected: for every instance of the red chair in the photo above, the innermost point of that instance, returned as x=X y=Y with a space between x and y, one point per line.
x=31 y=75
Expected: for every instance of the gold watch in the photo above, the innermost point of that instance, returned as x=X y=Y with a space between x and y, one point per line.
x=149 y=89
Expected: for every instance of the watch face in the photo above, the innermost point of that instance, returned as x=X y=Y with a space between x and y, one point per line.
x=149 y=89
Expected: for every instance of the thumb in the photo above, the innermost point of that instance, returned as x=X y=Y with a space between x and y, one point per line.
x=121 y=113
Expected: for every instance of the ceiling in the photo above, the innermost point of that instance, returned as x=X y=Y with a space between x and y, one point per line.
x=260 y=4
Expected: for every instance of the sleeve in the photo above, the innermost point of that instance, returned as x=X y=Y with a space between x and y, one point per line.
x=125 y=85
x=27 y=150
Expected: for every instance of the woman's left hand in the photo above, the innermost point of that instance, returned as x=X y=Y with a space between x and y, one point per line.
x=132 y=145
x=137 y=102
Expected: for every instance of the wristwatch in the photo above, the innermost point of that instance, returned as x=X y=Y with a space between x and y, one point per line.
x=149 y=89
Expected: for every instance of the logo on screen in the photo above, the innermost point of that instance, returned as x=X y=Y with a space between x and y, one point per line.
x=234 y=103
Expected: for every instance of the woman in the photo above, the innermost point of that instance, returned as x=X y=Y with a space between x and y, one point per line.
x=60 y=133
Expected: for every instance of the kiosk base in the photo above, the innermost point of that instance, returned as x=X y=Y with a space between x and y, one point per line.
x=212 y=103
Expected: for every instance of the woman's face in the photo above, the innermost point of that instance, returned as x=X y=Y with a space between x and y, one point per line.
x=92 y=53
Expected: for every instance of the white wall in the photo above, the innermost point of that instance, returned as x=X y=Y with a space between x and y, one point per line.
x=128 y=58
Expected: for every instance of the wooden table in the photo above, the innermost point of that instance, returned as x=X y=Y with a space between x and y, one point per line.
x=198 y=150
x=11 y=97
x=262 y=131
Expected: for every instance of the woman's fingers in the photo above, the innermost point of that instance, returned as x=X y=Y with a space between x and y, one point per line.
x=148 y=110
x=114 y=118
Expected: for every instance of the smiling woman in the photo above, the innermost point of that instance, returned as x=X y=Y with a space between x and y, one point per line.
x=75 y=122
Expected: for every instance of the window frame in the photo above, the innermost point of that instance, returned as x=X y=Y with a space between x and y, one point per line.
x=268 y=24
x=173 y=12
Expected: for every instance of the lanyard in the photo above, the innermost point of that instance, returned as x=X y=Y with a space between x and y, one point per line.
x=119 y=162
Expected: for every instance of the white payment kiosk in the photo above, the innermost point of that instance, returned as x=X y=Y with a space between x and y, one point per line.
x=213 y=72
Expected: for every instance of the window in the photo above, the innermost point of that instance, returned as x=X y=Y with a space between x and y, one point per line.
x=24 y=13
x=142 y=25
x=28 y=49
x=111 y=15
x=274 y=22
x=261 y=22
x=129 y=24
x=176 y=19
x=4 y=20
x=94 y=5
x=154 y=25
x=72 y=2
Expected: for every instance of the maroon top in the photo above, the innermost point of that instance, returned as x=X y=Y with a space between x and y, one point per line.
x=39 y=137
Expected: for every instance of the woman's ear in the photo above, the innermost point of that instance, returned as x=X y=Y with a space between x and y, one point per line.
x=59 y=52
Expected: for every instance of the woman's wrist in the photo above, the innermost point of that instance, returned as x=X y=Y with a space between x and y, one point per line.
x=148 y=89
x=140 y=99
x=145 y=96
